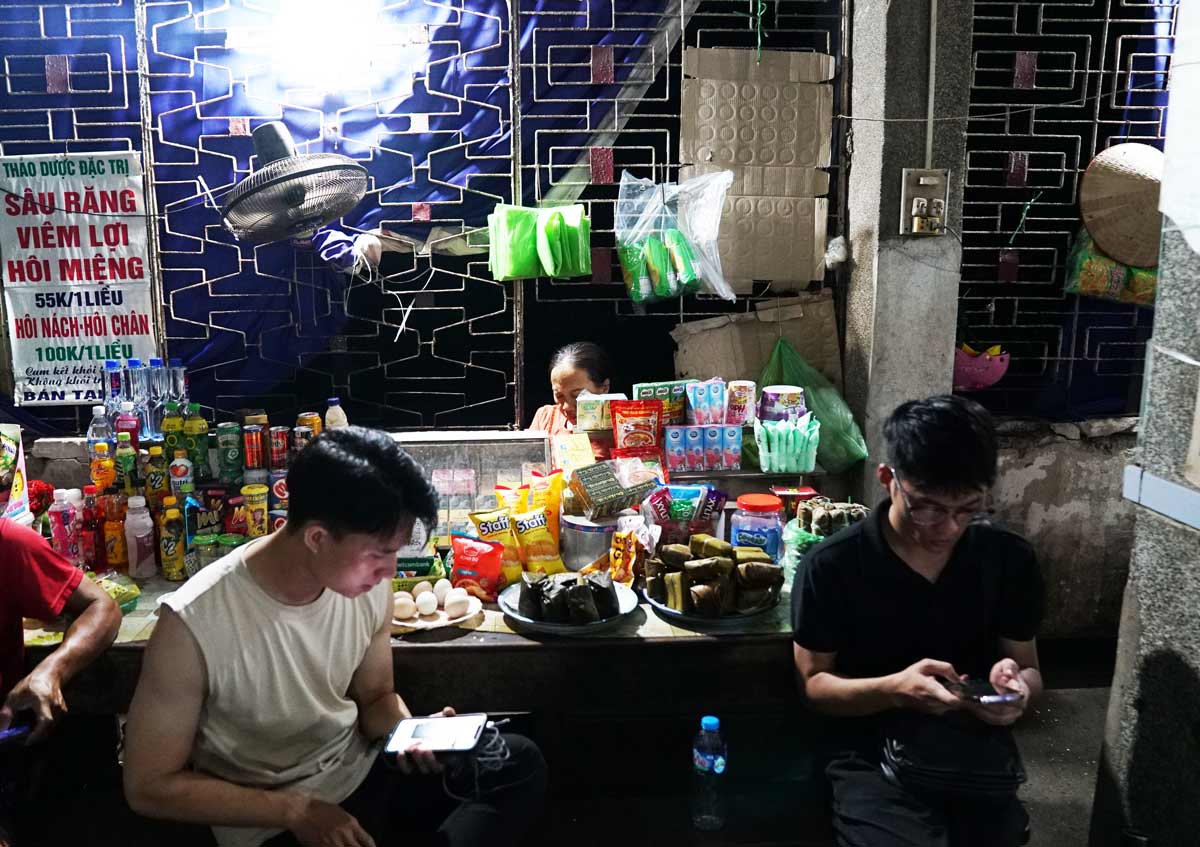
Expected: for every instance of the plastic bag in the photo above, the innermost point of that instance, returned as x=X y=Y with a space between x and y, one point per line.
x=789 y=446
x=528 y=243
x=842 y=444
x=1093 y=272
x=667 y=236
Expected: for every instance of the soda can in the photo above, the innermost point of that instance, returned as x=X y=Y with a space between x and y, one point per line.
x=252 y=438
x=229 y=445
x=255 y=497
x=278 y=490
x=310 y=419
x=276 y=519
x=278 y=436
x=301 y=435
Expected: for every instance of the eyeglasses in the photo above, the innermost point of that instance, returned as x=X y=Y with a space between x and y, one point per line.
x=935 y=515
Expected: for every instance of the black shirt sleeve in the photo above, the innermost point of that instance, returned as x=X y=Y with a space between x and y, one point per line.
x=1022 y=593
x=818 y=614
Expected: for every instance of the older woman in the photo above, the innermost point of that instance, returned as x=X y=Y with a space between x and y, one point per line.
x=575 y=368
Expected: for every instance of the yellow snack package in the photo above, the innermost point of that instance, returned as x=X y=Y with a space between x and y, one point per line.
x=538 y=548
x=509 y=499
x=496 y=526
x=546 y=493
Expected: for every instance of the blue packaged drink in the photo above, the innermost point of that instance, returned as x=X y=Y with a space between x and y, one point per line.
x=694 y=447
x=675 y=447
x=713 y=447
x=731 y=458
x=716 y=402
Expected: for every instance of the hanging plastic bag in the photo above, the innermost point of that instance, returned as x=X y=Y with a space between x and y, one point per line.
x=841 y=442
x=667 y=237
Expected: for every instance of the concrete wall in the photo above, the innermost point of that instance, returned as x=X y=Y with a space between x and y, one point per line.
x=1060 y=487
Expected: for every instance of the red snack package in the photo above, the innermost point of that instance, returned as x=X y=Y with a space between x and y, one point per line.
x=478 y=566
x=636 y=423
x=660 y=505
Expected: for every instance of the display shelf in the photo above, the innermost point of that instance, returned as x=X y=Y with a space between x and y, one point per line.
x=690 y=476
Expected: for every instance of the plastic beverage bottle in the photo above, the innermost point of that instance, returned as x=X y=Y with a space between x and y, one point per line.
x=139 y=394
x=91 y=532
x=103 y=469
x=75 y=498
x=126 y=461
x=158 y=478
x=179 y=381
x=708 y=766
x=335 y=415
x=99 y=430
x=115 y=552
x=128 y=421
x=139 y=540
x=195 y=441
x=171 y=546
x=191 y=507
x=64 y=536
x=159 y=384
x=181 y=471
x=172 y=428
x=112 y=390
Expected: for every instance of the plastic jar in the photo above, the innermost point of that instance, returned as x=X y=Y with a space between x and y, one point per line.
x=758 y=522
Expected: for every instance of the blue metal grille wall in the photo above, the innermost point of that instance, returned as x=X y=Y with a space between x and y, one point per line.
x=422 y=94
x=1053 y=84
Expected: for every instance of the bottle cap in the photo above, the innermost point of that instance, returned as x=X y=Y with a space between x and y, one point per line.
x=334 y=401
x=60 y=495
x=102 y=447
x=133 y=363
x=110 y=364
x=136 y=502
x=181 y=454
x=156 y=363
x=97 y=410
x=126 y=405
x=759 y=503
x=172 y=513
x=168 y=502
x=176 y=363
x=172 y=406
x=155 y=450
x=74 y=494
x=194 y=407
x=710 y=723
x=187 y=487
x=122 y=437
x=89 y=490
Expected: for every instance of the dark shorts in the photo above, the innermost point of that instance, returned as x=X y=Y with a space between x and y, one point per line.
x=871 y=811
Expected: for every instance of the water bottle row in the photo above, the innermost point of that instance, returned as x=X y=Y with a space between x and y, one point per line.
x=136 y=396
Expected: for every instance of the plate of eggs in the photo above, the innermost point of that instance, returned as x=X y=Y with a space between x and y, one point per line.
x=432 y=605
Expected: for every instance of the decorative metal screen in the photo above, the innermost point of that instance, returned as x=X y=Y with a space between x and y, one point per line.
x=1053 y=84
x=427 y=99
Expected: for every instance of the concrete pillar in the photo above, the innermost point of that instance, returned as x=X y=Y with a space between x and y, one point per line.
x=902 y=298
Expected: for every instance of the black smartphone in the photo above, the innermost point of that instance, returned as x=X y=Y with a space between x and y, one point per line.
x=979 y=691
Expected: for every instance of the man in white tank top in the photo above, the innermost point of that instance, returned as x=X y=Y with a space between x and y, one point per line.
x=267 y=686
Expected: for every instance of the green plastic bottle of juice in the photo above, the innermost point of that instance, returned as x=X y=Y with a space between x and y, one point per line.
x=126 y=462
x=195 y=441
x=172 y=429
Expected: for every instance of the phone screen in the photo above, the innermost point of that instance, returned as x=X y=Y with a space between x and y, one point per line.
x=979 y=691
x=460 y=732
x=14 y=734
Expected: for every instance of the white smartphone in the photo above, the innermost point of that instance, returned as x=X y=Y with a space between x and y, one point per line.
x=458 y=733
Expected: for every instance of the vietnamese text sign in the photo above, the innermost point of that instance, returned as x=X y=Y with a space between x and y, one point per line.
x=76 y=271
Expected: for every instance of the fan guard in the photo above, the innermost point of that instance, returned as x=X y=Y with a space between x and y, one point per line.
x=291 y=195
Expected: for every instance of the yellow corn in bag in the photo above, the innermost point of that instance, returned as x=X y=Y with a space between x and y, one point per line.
x=546 y=493
x=539 y=550
x=497 y=526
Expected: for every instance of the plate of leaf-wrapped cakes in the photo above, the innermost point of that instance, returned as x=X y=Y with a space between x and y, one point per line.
x=710 y=584
x=567 y=603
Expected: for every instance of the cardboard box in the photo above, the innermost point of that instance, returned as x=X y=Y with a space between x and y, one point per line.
x=738 y=346
x=770 y=122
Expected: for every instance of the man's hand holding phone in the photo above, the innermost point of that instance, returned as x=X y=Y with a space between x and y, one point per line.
x=1006 y=679
x=415 y=758
x=918 y=687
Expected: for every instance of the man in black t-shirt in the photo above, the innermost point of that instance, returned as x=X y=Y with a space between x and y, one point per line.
x=922 y=591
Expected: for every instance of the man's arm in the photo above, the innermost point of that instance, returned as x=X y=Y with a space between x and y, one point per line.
x=159 y=736
x=96 y=621
x=913 y=688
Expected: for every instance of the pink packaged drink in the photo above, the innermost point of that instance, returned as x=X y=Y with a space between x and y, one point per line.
x=697 y=404
x=694 y=447
x=675 y=447
x=740 y=406
x=732 y=448
x=713 y=446
x=716 y=402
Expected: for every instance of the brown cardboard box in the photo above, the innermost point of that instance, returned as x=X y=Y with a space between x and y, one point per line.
x=738 y=346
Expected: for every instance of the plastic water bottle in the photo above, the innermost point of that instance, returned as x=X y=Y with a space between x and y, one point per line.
x=160 y=388
x=179 y=382
x=99 y=431
x=708 y=766
x=64 y=533
x=140 y=543
x=113 y=382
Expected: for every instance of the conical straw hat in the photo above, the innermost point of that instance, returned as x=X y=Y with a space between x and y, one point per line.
x=1119 y=202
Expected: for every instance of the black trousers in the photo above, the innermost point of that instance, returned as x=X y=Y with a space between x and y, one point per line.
x=400 y=809
x=872 y=811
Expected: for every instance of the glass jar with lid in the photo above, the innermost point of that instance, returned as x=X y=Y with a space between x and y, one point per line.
x=758 y=522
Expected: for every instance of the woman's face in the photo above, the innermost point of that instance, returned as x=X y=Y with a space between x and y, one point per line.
x=568 y=382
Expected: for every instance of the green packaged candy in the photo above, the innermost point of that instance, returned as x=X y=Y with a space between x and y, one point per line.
x=633 y=269
x=658 y=265
x=683 y=259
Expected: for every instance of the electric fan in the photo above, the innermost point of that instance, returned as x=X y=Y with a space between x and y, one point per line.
x=291 y=195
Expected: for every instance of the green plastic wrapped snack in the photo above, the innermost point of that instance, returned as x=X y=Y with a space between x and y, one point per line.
x=512 y=232
x=528 y=243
